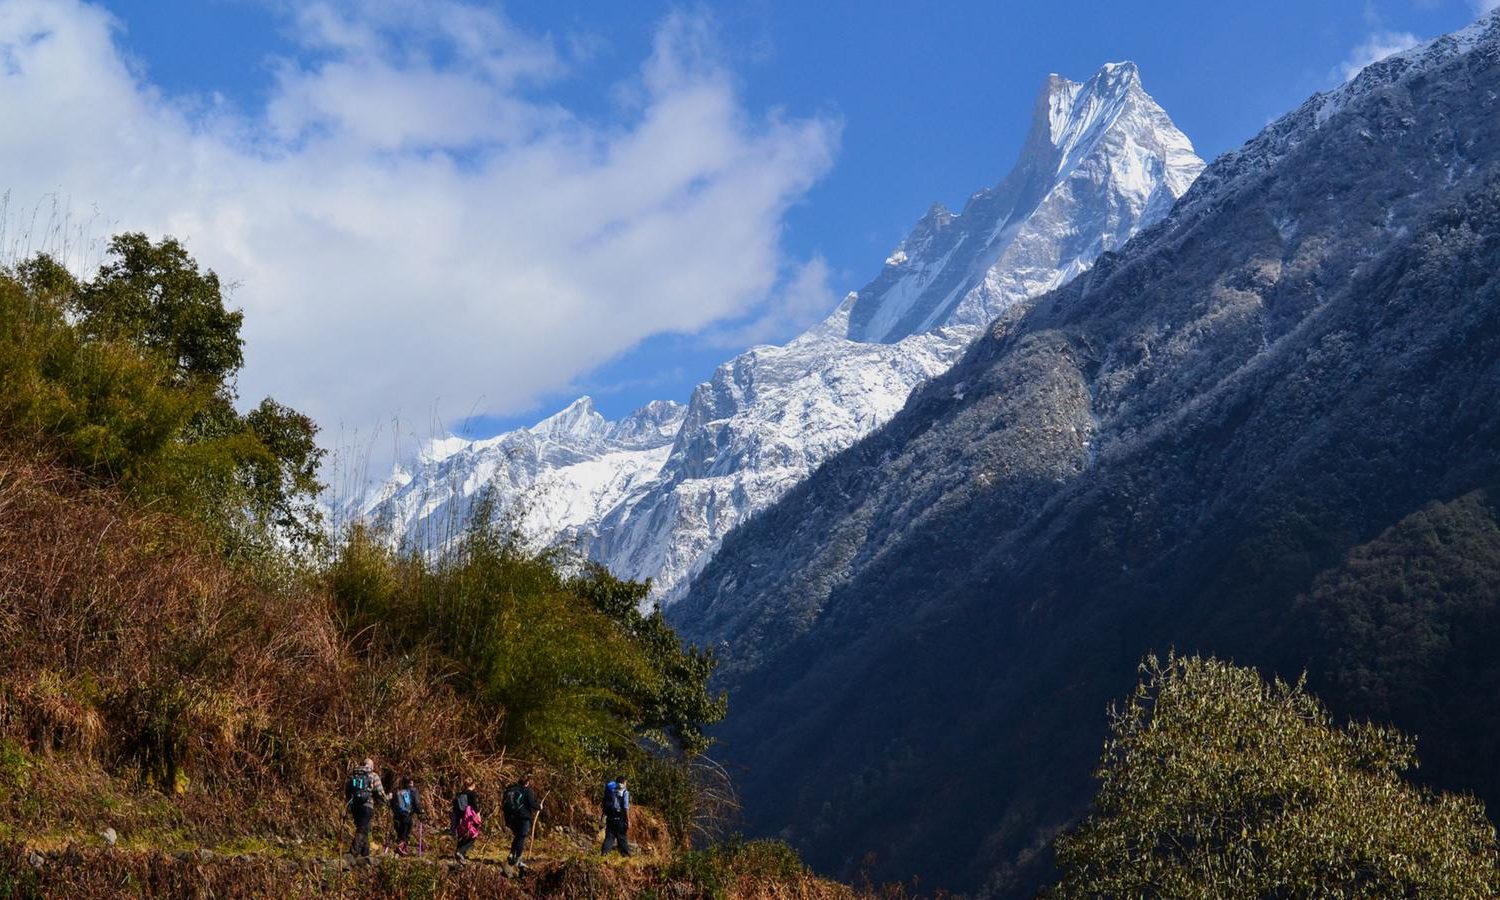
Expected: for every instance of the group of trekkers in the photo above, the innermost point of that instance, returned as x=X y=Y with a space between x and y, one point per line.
x=364 y=791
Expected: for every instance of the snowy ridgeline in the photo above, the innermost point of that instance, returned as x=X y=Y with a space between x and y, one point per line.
x=653 y=494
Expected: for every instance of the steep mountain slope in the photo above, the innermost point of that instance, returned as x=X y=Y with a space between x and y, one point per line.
x=1196 y=443
x=1101 y=161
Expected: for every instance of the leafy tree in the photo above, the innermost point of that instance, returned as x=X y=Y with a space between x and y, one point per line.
x=283 y=476
x=675 y=701
x=129 y=376
x=154 y=296
x=1217 y=784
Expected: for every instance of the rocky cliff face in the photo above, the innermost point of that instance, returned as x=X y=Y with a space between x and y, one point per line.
x=1102 y=161
x=1255 y=431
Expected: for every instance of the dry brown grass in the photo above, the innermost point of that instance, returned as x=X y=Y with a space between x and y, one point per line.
x=127 y=645
x=96 y=873
x=149 y=687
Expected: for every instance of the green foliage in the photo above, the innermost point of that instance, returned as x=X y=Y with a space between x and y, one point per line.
x=102 y=404
x=674 y=698
x=17 y=880
x=694 y=795
x=128 y=377
x=667 y=785
x=281 y=471
x=15 y=766
x=575 y=673
x=396 y=878
x=1217 y=784
x=717 y=870
x=153 y=296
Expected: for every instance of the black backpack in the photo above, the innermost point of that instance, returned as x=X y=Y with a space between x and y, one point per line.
x=611 y=800
x=362 y=786
x=515 y=801
x=404 y=801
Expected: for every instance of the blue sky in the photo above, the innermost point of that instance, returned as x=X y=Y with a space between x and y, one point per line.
x=850 y=118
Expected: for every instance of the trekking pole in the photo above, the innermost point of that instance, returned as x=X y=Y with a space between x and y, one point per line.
x=537 y=816
x=421 y=846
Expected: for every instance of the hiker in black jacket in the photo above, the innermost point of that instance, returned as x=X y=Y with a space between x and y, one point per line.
x=466 y=820
x=616 y=817
x=521 y=807
x=362 y=791
x=406 y=808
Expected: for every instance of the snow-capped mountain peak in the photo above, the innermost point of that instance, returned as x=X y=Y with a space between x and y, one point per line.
x=652 y=495
x=1101 y=157
x=577 y=420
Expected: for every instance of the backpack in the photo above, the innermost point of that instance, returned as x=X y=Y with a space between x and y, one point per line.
x=515 y=802
x=361 y=786
x=611 y=800
x=468 y=826
x=403 y=801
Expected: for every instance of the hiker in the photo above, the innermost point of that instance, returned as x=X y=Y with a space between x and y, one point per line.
x=361 y=792
x=616 y=817
x=406 y=808
x=521 y=808
x=466 y=821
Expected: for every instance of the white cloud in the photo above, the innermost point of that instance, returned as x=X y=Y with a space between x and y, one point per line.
x=410 y=218
x=1376 y=47
x=1483 y=6
x=803 y=299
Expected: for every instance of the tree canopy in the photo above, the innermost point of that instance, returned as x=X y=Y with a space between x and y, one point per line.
x=129 y=375
x=1218 y=784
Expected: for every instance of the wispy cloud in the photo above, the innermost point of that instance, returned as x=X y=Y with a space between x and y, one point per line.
x=803 y=298
x=1376 y=47
x=410 y=217
x=1483 y=6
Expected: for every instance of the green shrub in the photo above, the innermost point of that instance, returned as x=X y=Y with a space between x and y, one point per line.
x=573 y=672
x=717 y=870
x=17 y=879
x=1217 y=784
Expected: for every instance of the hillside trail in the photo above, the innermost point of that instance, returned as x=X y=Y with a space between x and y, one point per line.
x=557 y=847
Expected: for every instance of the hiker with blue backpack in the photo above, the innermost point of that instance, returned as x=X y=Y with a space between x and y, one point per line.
x=466 y=821
x=521 y=808
x=361 y=792
x=406 y=808
x=616 y=805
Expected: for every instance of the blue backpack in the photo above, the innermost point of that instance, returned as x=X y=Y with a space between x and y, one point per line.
x=611 y=800
x=403 y=801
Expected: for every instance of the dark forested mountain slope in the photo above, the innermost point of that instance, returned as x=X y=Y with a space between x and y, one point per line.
x=1267 y=429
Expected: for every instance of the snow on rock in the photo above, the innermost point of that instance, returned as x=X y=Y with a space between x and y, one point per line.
x=1102 y=159
x=652 y=495
x=568 y=469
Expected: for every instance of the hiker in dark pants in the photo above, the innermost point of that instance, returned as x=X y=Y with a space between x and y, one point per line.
x=406 y=808
x=361 y=792
x=466 y=821
x=521 y=807
x=616 y=817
